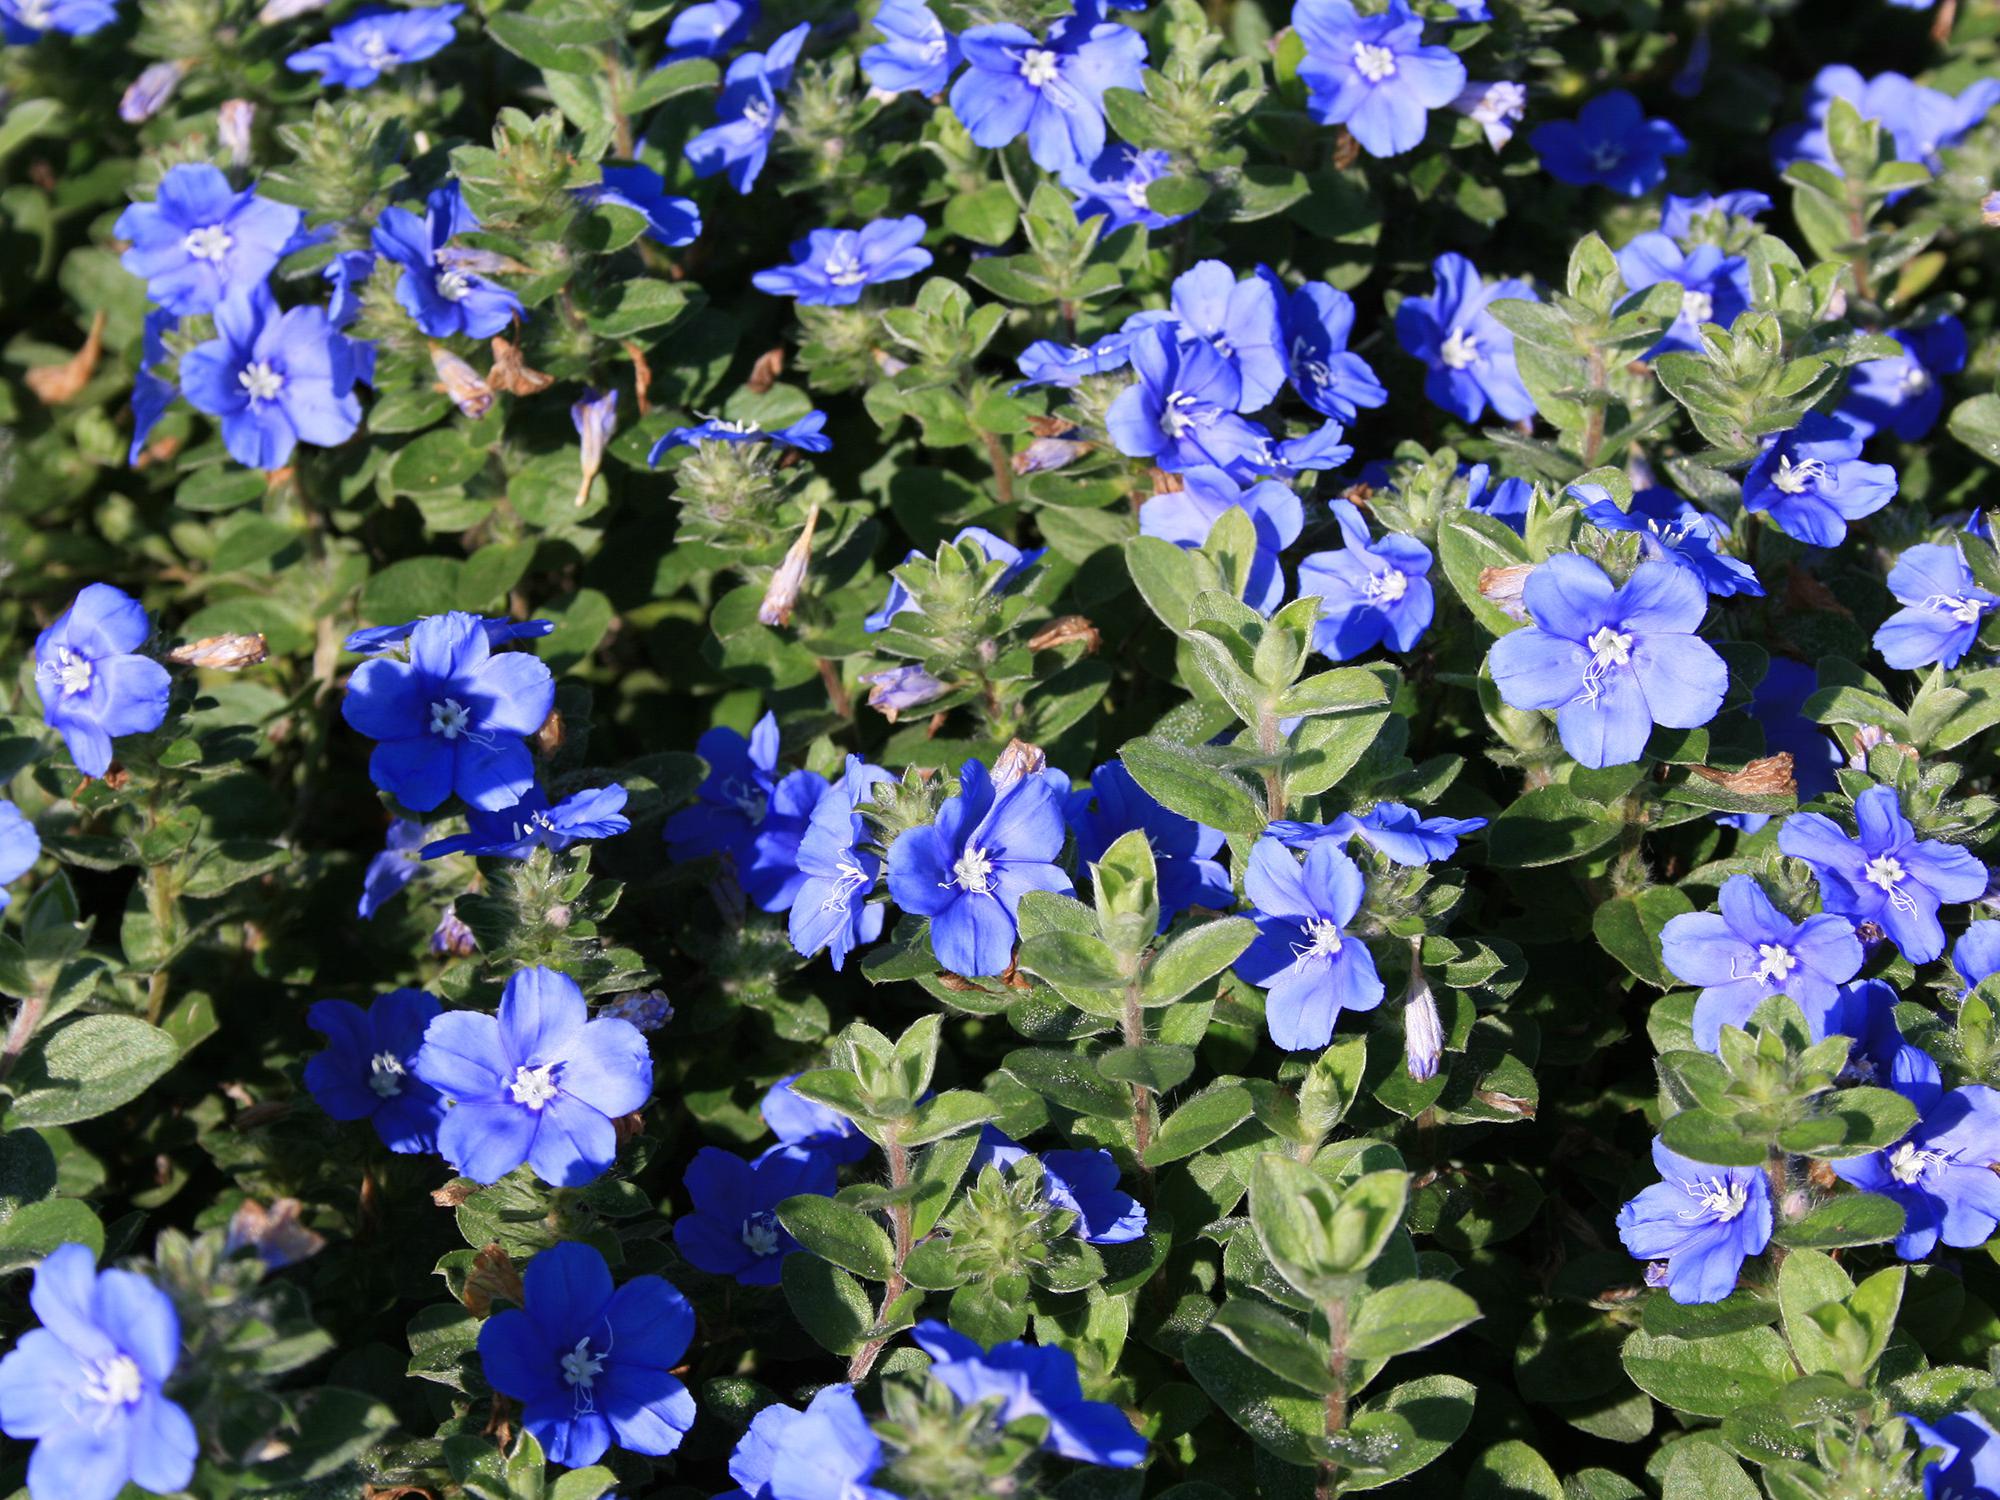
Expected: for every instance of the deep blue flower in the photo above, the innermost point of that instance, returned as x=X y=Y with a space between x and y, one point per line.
x=1400 y=833
x=1976 y=954
x=452 y=718
x=1186 y=873
x=85 y=1387
x=1506 y=500
x=731 y=1227
x=378 y=41
x=1923 y=122
x=1610 y=143
x=441 y=286
x=1182 y=410
x=1319 y=450
x=1052 y=91
x=24 y=22
x=1033 y=1380
x=1865 y=1013
x=93 y=687
x=1303 y=955
x=1316 y=322
x=1673 y=530
x=1904 y=395
x=20 y=847
x=810 y=1126
x=364 y=1073
x=1113 y=185
x=1777 y=703
x=1750 y=951
x=670 y=220
x=1941 y=1173
x=1187 y=515
x=1715 y=287
x=200 y=239
x=1968 y=1468
x=916 y=53
x=832 y=267
x=529 y=824
x=1083 y=1183
x=592 y=1366
x=748 y=110
x=995 y=549
x=710 y=29
x=1237 y=319
x=772 y=877
x=274 y=379
x=826 y=1452
x=151 y=395
x=731 y=802
x=1045 y=362
x=1682 y=218
x=1469 y=354
x=539 y=1083
x=1370 y=593
x=346 y=274
x=1943 y=607
x=1885 y=874
x=1373 y=74
x=1496 y=108
x=377 y=640
x=1612 y=662
x=830 y=908
x=805 y=434
x=392 y=869
x=1703 y=1221
x=969 y=870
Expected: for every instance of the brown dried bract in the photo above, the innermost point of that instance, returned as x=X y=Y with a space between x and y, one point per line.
x=56 y=384
x=1502 y=588
x=454 y=1193
x=1770 y=777
x=1359 y=494
x=492 y=1276
x=626 y=1127
x=1048 y=426
x=1803 y=591
x=1065 y=631
x=115 y=776
x=770 y=365
x=511 y=374
x=1506 y=1104
x=642 y=376
x=1164 y=483
x=1346 y=149
x=549 y=738
x=222 y=653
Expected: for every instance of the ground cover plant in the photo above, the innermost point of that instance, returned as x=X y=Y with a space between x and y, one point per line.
x=999 y=748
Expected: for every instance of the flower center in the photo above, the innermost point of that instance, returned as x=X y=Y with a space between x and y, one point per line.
x=1908 y=1165
x=1322 y=941
x=1884 y=870
x=1723 y=1199
x=973 y=871
x=70 y=671
x=260 y=381
x=1374 y=63
x=454 y=286
x=450 y=718
x=843 y=266
x=760 y=1233
x=1774 y=962
x=534 y=1087
x=1606 y=154
x=114 y=1382
x=1609 y=649
x=1797 y=478
x=1697 y=307
x=1387 y=588
x=1181 y=414
x=759 y=112
x=849 y=877
x=1135 y=194
x=210 y=243
x=385 y=1074
x=1460 y=350
x=1916 y=379
x=378 y=52
x=580 y=1366
x=1040 y=66
x=1962 y=609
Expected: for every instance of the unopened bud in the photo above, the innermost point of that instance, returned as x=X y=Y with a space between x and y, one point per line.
x=889 y=365
x=221 y=653
x=648 y=1010
x=1989 y=210
x=458 y=380
x=151 y=90
x=549 y=738
x=595 y=417
x=1423 y=1033
x=1019 y=759
x=1044 y=454
x=781 y=595
x=275 y=1233
x=286 y=10
x=1502 y=588
x=233 y=124
x=453 y=936
x=898 y=689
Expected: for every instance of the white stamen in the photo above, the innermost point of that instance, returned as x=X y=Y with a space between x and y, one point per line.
x=450 y=718
x=114 y=1382
x=1039 y=66
x=1775 y=963
x=580 y=1366
x=1181 y=414
x=843 y=266
x=1908 y=1165
x=1460 y=350
x=1374 y=63
x=378 y=53
x=1606 y=154
x=454 y=285
x=210 y=243
x=1962 y=609
x=850 y=878
x=534 y=1087
x=1322 y=941
x=1916 y=380
x=1697 y=307
x=1609 y=648
x=1796 y=478
x=385 y=1075
x=1884 y=870
x=260 y=381
x=760 y=1233
x=1724 y=1199
x=68 y=671
x=1386 y=588
x=759 y=112
x=973 y=872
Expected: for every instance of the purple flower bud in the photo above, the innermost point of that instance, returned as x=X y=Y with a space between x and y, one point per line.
x=1989 y=210
x=276 y=11
x=595 y=417
x=1495 y=108
x=275 y=1233
x=233 y=122
x=461 y=382
x=1048 y=453
x=150 y=90
x=453 y=936
x=900 y=688
x=1423 y=1033
x=782 y=594
x=1019 y=759
x=648 y=1010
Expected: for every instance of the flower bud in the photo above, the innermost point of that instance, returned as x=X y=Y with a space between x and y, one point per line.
x=151 y=90
x=1065 y=631
x=1019 y=759
x=648 y=1010
x=1989 y=210
x=233 y=123
x=1502 y=587
x=595 y=418
x=453 y=936
x=781 y=596
x=1494 y=107
x=287 y=10
x=898 y=689
x=1044 y=454
x=461 y=382
x=1423 y=1033
x=274 y=1233
x=221 y=653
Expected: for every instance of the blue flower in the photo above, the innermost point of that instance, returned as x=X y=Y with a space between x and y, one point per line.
x=1611 y=144
x=85 y=1387
x=1045 y=362
x=1372 y=73
x=1303 y=955
x=1113 y=185
x=364 y=1073
x=346 y=274
x=540 y=1083
x=531 y=823
x=1033 y=1380
x=1612 y=662
x=1941 y=1173
x=830 y=908
x=805 y=435
x=1237 y=319
x=1506 y=502
x=376 y=640
x=916 y=53
x=1182 y=410
x=1812 y=482
x=592 y=1366
x=23 y=22
x=710 y=29
x=994 y=548
x=20 y=847
x=200 y=240
x=452 y=718
x=1709 y=213
x=968 y=871
x=1968 y=1468
x=810 y=1126
x=1976 y=954
x=377 y=42
x=1703 y=1221
x=670 y=220
x=732 y=800
x=1673 y=530
x=1865 y=1012
x=1715 y=287
x=1885 y=874
x=1052 y=91
x=1903 y=395
x=392 y=869
x=440 y=286
x=1922 y=122
x=896 y=690
x=1943 y=606
x=1320 y=450
x=93 y=687
x=772 y=876
x=1187 y=515
x=832 y=267
x=1496 y=108
x=1777 y=703
x=1316 y=322
x=1083 y=1183
x=1401 y=834
x=1370 y=592
x=1750 y=951
x=748 y=110
x=1114 y=804
x=826 y=1452
x=274 y=379
x=151 y=396
x=731 y=1227
x=1469 y=353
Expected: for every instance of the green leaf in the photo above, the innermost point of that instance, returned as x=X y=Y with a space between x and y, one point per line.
x=35 y=1229
x=87 y=1067
x=1277 y=1415
x=1183 y=782
x=1628 y=928
x=1847 y=1220
x=829 y=1304
x=834 y=1232
x=1069 y=1079
x=1275 y=1342
x=1151 y=1065
x=947 y=1114
x=1511 y=1471
x=1408 y=1315
x=1976 y=423
x=1435 y=1411
x=1548 y=826
x=1705 y=1471
x=1202 y=1121
x=1709 y=1377
x=1193 y=958
x=641 y=304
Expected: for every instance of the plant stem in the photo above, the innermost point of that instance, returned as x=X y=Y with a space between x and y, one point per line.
x=1268 y=742
x=900 y=1223
x=1336 y=1399
x=1003 y=467
x=1142 y=1097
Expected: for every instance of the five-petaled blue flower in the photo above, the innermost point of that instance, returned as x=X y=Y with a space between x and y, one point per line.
x=830 y=908
x=916 y=53
x=1312 y=967
x=23 y=22
x=452 y=718
x=1612 y=662
x=85 y=1387
x=969 y=870
x=1865 y=1013
x=1083 y=1183
x=1182 y=410
x=591 y=1365
x=274 y=379
x=1943 y=608
x=1113 y=185
x=1922 y=122
x=1812 y=481
x=1284 y=458
x=733 y=799
x=1714 y=287
x=832 y=267
x=200 y=239
x=1370 y=593
x=1673 y=530
x=1186 y=874
x=1968 y=1464
x=670 y=220
x=806 y=434
x=995 y=549
x=529 y=824
x=1046 y=362
x=1610 y=143
x=1401 y=834
x=441 y=285
x=1976 y=954
x=1885 y=874
x=539 y=1083
x=826 y=1452
x=1750 y=951
x=93 y=687
x=378 y=41
x=808 y=1125
x=731 y=1227
x=20 y=847
x=748 y=110
x=1469 y=353
x=1703 y=1221
x=1207 y=494
x=1904 y=395
x=1317 y=321
x=1032 y=1380
x=1052 y=91
x=364 y=1073
x=1237 y=319
x=1942 y=1173
x=1373 y=73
